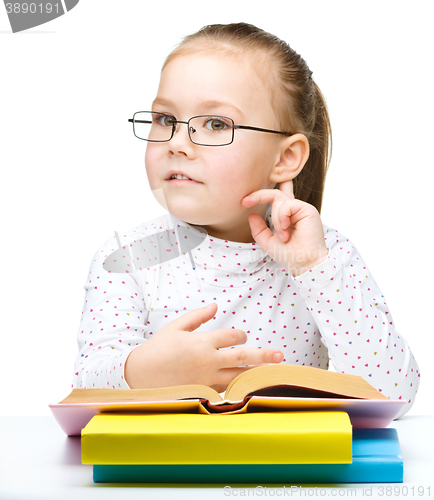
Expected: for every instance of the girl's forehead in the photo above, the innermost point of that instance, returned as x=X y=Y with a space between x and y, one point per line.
x=194 y=63
x=204 y=74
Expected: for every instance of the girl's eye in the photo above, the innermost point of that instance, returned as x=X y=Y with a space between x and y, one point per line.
x=165 y=120
x=216 y=125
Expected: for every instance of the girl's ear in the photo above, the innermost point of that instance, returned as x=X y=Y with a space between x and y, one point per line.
x=294 y=153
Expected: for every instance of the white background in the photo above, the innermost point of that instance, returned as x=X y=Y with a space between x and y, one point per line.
x=72 y=172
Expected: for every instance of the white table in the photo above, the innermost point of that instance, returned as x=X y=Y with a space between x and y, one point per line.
x=37 y=461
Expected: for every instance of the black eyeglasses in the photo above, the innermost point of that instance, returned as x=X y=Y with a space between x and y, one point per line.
x=203 y=130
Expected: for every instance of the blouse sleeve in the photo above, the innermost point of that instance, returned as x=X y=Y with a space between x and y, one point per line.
x=112 y=321
x=355 y=322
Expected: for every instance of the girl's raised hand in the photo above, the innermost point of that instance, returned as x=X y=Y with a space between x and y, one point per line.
x=298 y=244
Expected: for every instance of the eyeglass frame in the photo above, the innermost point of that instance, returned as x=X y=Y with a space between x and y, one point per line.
x=175 y=122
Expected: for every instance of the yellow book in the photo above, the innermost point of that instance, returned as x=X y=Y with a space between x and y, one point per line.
x=245 y=438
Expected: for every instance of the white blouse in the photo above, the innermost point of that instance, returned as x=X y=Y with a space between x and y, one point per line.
x=138 y=282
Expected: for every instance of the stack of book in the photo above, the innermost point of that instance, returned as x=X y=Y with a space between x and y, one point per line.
x=279 y=423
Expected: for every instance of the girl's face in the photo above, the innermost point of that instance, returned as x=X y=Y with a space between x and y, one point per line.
x=199 y=84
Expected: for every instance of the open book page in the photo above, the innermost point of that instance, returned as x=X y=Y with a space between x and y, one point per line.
x=299 y=381
x=135 y=395
x=266 y=380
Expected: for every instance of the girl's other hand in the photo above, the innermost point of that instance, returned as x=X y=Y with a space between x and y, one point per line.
x=298 y=244
x=177 y=355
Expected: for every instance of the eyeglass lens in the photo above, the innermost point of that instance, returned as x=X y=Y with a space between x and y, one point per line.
x=204 y=130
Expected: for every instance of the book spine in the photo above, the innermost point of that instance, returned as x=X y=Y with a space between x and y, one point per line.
x=364 y=470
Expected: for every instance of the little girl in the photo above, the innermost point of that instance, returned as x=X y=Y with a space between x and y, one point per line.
x=237 y=151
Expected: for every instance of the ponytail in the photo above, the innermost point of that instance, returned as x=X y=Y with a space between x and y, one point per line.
x=309 y=184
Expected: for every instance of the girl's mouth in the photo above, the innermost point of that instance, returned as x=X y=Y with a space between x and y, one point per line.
x=182 y=180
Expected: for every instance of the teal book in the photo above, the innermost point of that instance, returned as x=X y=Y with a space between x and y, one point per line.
x=376 y=459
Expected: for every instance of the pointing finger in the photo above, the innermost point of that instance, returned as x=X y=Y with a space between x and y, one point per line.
x=243 y=357
x=287 y=187
x=262 y=197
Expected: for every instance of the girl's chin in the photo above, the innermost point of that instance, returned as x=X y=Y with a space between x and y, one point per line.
x=188 y=216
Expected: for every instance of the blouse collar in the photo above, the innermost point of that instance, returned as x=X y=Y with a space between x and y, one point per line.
x=222 y=262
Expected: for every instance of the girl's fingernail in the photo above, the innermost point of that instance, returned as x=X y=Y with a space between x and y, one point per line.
x=276 y=357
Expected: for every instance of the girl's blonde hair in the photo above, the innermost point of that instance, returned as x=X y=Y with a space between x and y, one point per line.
x=297 y=100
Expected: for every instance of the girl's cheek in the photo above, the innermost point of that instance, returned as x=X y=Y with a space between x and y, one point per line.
x=148 y=156
x=228 y=164
x=151 y=162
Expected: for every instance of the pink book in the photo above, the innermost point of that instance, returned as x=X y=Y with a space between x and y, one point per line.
x=363 y=413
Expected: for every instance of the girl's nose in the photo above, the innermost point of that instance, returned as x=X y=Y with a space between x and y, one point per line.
x=180 y=144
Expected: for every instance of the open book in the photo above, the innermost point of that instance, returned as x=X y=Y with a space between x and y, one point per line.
x=280 y=387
